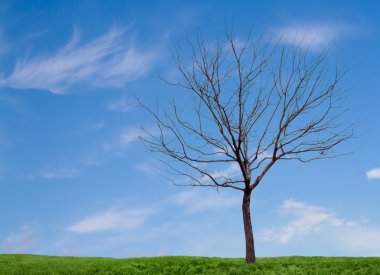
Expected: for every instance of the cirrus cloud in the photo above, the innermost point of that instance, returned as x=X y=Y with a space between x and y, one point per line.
x=314 y=36
x=197 y=201
x=111 y=60
x=373 y=174
x=111 y=220
x=308 y=219
x=20 y=241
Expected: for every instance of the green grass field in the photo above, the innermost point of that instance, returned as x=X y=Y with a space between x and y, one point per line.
x=33 y=264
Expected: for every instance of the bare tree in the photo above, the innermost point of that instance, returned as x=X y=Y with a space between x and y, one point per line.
x=253 y=104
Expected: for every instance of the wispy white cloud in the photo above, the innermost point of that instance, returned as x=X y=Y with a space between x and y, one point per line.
x=197 y=200
x=114 y=146
x=67 y=173
x=314 y=36
x=130 y=135
x=111 y=60
x=373 y=174
x=91 y=161
x=228 y=172
x=133 y=134
x=121 y=104
x=148 y=167
x=351 y=237
x=20 y=241
x=194 y=201
x=308 y=219
x=208 y=236
x=167 y=229
x=360 y=241
x=112 y=220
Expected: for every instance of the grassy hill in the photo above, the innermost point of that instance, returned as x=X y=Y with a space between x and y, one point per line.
x=34 y=264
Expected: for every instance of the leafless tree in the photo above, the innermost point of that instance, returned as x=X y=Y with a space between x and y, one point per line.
x=252 y=105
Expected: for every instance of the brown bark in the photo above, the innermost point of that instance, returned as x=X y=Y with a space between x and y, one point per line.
x=250 y=256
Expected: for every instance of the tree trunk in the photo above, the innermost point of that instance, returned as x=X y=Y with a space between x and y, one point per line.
x=250 y=256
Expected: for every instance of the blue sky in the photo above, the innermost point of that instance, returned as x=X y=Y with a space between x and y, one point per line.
x=74 y=181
